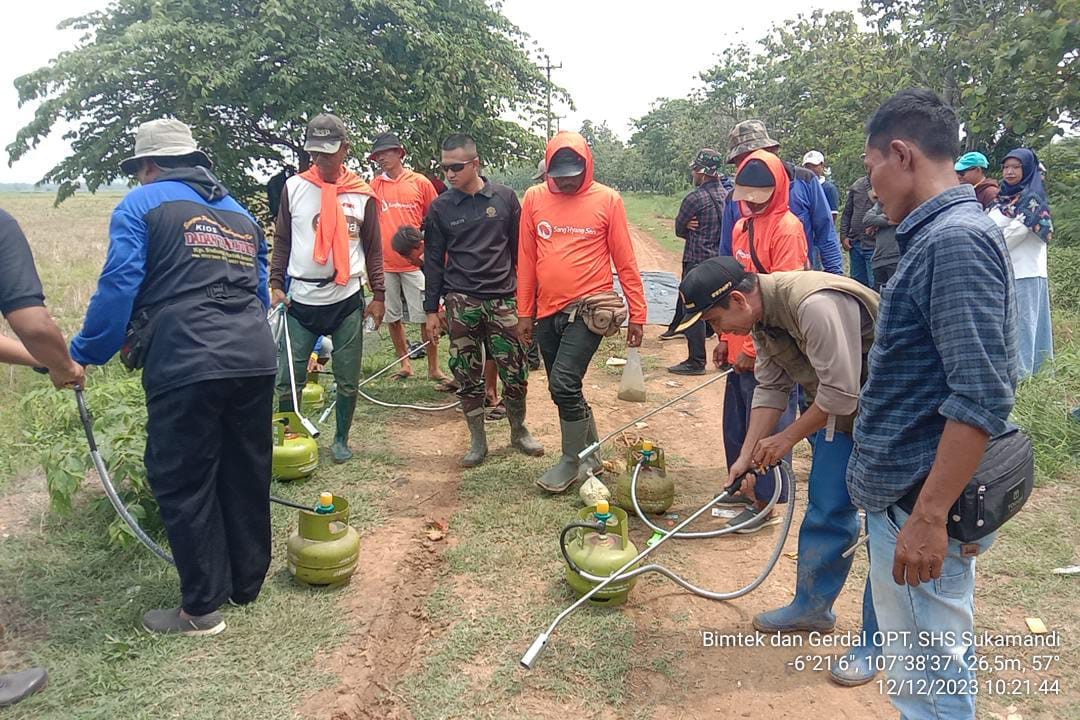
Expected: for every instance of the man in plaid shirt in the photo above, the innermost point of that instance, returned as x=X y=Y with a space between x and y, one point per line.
x=698 y=223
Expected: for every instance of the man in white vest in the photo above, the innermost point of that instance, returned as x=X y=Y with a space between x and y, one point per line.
x=327 y=242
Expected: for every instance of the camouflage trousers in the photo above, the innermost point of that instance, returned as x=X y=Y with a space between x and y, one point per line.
x=484 y=328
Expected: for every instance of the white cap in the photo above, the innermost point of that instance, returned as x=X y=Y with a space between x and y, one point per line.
x=813 y=158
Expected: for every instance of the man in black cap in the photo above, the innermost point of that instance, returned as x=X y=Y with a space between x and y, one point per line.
x=698 y=223
x=816 y=329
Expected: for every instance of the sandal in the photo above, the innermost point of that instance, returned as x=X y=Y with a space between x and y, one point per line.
x=401 y=375
x=446 y=386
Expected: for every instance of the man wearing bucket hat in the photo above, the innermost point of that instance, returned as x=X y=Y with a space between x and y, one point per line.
x=327 y=241
x=807 y=199
x=404 y=198
x=698 y=224
x=971 y=169
x=183 y=295
x=813 y=328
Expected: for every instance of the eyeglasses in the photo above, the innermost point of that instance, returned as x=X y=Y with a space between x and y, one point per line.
x=455 y=167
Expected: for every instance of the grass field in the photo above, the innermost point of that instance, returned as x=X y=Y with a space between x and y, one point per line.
x=71 y=601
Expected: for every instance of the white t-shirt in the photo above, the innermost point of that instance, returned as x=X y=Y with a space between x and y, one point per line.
x=1027 y=250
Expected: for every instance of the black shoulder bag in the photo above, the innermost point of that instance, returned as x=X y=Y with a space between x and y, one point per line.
x=1000 y=487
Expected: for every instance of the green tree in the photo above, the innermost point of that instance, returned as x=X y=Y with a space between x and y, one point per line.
x=1009 y=67
x=668 y=137
x=247 y=76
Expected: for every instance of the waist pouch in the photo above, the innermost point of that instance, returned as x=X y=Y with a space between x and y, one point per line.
x=1000 y=487
x=140 y=329
x=325 y=319
x=603 y=313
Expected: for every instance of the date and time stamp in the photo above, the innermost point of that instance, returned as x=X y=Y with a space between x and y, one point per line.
x=920 y=664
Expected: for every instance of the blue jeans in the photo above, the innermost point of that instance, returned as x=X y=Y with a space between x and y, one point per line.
x=860 y=264
x=738 y=394
x=925 y=680
x=1035 y=334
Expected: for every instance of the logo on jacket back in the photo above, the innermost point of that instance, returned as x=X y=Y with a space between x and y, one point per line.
x=545 y=230
x=212 y=240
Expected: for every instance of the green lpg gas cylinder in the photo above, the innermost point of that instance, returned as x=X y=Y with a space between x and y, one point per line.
x=655 y=490
x=313 y=398
x=325 y=548
x=601 y=554
x=295 y=453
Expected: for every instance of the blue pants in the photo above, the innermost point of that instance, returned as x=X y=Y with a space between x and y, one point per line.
x=830 y=527
x=860 y=265
x=1035 y=334
x=945 y=605
x=738 y=394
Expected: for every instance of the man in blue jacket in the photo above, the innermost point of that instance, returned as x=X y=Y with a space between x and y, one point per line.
x=184 y=292
x=807 y=199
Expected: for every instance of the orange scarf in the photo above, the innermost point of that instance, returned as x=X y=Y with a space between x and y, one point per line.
x=332 y=233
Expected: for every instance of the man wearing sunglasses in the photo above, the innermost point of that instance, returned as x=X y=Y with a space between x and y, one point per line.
x=404 y=198
x=572 y=230
x=470 y=258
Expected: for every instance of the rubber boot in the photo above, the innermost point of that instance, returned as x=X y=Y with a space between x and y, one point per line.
x=594 y=463
x=830 y=527
x=478 y=435
x=520 y=437
x=15 y=687
x=860 y=665
x=575 y=435
x=285 y=403
x=344 y=409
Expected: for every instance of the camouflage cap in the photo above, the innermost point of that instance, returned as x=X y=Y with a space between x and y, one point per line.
x=707 y=162
x=748 y=136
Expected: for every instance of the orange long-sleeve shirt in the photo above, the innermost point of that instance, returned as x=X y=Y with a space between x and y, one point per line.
x=568 y=242
x=779 y=241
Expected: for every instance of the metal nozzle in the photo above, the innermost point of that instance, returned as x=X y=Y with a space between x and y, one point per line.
x=309 y=426
x=588 y=451
x=529 y=658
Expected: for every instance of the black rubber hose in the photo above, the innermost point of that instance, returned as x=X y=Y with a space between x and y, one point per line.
x=596 y=526
x=290 y=503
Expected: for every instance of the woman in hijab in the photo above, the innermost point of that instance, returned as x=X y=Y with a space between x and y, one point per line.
x=1022 y=211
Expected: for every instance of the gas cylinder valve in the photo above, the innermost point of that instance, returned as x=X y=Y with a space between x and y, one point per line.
x=602 y=515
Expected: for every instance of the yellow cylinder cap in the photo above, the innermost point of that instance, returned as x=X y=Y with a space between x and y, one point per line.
x=326 y=498
x=602 y=507
x=646 y=446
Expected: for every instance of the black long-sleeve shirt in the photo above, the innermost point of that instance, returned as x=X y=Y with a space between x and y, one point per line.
x=471 y=244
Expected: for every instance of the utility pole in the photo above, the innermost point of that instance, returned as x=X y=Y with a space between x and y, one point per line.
x=548 y=67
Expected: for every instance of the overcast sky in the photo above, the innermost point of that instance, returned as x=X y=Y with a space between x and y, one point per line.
x=616 y=60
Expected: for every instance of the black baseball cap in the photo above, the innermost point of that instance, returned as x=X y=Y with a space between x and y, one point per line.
x=566 y=163
x=385 y=141
x=707 y=284
x=754 y=182
x=325 y=133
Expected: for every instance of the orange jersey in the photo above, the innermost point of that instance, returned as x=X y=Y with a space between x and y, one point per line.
x=404 y=201
x=568 y=242
x=779 y=240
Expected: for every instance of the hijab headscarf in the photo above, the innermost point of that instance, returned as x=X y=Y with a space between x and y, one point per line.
x=1027 y=199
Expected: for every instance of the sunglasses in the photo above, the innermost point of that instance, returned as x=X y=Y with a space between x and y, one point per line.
x=455 y=167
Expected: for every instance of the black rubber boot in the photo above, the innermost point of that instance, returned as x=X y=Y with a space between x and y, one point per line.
x=344 y=410
x=574 y=439
x=21 y=685
x=595 y=462
x=478 y=437
x=520 y=437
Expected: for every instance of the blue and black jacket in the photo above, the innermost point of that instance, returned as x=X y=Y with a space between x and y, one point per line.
x=183 y=250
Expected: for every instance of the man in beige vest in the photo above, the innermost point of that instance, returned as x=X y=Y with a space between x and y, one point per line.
x=815 y=329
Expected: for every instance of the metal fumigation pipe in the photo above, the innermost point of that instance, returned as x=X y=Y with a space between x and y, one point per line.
x=599 y=443
x=528 y=660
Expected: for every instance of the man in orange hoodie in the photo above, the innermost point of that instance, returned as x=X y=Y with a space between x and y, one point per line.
x=572 y=230
x=768 y=238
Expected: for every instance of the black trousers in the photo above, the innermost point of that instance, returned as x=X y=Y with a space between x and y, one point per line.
x=695 y=334
x=568 y=348
x=208 y=453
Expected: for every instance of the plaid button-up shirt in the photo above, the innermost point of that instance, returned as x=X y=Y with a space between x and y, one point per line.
x=945 y=347
x=706 y=203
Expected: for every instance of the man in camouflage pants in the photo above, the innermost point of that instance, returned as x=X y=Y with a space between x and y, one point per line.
x=470 y=257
